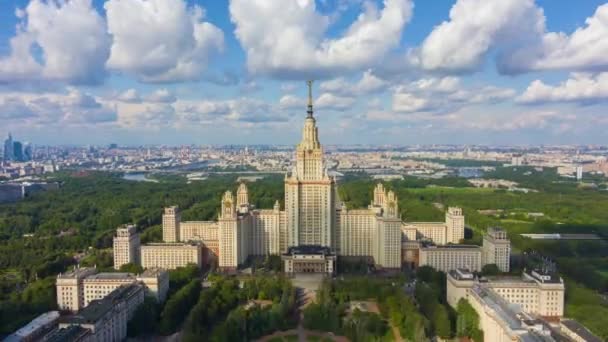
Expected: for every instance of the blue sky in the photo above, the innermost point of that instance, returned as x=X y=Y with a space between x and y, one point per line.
x=135 y=72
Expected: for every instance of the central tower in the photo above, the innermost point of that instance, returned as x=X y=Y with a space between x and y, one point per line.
x=309 y=191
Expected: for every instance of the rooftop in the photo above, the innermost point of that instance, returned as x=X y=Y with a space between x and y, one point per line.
x=430 y=245
x=153 y=272
x=309 y=249
x=111 y=275
x=71 y=333
x=37 y=323
x=77 y=272
x=518 y=321
x=580 y=330
x=100 y=307
x=171 y=244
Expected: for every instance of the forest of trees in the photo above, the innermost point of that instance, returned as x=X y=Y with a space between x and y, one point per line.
x=225 y=312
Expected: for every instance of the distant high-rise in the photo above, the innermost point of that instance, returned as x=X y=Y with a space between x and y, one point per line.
x=17 y=151
x=8 y=148
x=28 y=152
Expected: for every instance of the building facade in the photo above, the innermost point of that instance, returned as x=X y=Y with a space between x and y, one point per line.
x=107 y=318
x=78 y=288
x=536 y=292
x=497 y=249
x=171 y=255
x=450 y=257
x=126 y=246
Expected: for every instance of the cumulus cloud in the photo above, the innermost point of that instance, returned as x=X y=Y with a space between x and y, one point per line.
x=461 y=43
x=130 y=95
x=291 y=102
x=71 y=37
x=444 y=95
x=442 y=85
x=161 y=95
x=73 y=107
x=407 y=103
x=580 y=87
x=332 y=102
x=516 y=31
x=290 y=42
x=486 y=94
x=585 y=49
x=366 y=85
x=160 y=40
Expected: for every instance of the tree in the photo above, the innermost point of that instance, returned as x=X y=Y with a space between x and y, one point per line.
x=467 y=323
x=144 y=319
x=490 y=270
x=441 y=322
x=131 y=268
x=178 y=307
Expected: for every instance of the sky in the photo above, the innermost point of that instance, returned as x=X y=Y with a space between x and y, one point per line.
x=403 y=72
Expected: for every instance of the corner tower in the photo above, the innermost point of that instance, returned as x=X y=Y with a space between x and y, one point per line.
x=309 y=199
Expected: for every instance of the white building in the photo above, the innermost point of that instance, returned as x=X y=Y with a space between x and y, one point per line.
x=450 y=257
x=79 y=287
x=171 y=255
x=107 y=318
x=497 y=249
x=537 y=293
x=126 y=246
x=501 y=321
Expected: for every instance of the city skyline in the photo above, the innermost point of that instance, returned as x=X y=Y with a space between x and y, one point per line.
x=386 y=72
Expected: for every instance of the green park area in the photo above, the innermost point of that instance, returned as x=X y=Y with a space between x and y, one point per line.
x=50 y=232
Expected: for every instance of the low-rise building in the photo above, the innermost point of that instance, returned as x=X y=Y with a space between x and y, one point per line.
x=450 y=257
x=171 y=255
x=78 y=288
x=500 y=321
x=35 y=329
x=576 y=331
x=309 y=259
x=536 y=292
x=107 y=318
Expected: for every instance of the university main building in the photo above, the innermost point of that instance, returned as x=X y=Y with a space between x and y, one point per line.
x=314 y=228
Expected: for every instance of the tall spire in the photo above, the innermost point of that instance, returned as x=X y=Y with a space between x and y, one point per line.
x=309 y=83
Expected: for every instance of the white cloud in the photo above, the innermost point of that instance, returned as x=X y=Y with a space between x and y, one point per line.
x=516 y=31
x=486 y=94
x=291 y=102
x=161 y=95
x=71 y=108
x=446 y=84
x=585 y=49
x=580 y=87
x=408 y=103
x=290 y=42
x=474 y=28
x=332 y=102
x=366 y=85
x=72 y=40
x=160 y=40
x=130 y=95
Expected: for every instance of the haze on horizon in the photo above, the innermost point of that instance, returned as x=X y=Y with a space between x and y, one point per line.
x=134 y=72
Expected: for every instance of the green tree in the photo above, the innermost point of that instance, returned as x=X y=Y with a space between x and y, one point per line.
x=131 y=268
x=490 y=270
x=144 y=319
